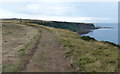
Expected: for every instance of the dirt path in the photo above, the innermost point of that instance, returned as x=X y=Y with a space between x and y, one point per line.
x=48 y=56
x=14 y=37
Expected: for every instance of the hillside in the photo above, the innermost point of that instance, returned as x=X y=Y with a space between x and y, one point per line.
x=87 y=56
x=76 y=27
x=29 y=47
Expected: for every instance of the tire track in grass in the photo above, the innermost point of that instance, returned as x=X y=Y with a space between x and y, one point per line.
x=30 y=54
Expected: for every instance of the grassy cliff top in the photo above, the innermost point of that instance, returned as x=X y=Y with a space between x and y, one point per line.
x=73 y=26
x=87 y=56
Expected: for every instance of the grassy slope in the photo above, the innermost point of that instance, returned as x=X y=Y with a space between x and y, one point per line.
x=19 y=33
x=87 y=56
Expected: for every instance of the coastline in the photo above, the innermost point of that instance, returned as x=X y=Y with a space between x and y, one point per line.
x=84 y=36
x=104 y=32
x=89 y=38
x=81 y=28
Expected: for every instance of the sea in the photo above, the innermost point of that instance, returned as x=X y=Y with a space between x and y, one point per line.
x=106 y=34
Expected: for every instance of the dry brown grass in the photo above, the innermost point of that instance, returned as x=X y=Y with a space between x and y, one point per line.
x=85 y=56
x=15 y=37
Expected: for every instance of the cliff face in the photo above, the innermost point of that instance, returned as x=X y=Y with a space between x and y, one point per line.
x=76 y=27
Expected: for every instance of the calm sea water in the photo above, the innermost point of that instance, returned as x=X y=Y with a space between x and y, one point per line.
x=106 y=34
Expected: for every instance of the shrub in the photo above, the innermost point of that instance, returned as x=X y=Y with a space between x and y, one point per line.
x=111 y=43
x=88 y=38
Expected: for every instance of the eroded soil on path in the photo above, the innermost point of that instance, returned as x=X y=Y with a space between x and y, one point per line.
x=48 y=56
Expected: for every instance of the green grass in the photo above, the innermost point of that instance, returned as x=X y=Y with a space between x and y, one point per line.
x=87 y=54
x=10 y=67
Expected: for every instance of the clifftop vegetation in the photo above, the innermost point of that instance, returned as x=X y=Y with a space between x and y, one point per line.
x=84 y=54
x=72 y=26
x=87 y=54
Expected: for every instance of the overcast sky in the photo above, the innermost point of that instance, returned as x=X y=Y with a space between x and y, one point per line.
x=104 y=11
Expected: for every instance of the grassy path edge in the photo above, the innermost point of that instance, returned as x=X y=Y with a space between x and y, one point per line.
x=31 y=52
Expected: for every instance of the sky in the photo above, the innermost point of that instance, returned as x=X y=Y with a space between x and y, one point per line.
x=89 y=11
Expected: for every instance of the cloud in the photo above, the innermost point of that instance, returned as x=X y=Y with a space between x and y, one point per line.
x=59 y=1
x=33 y=7
x=77 y=12
x=46 y=9
x=7 y=14
x=4 y=13
x=76 y=19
